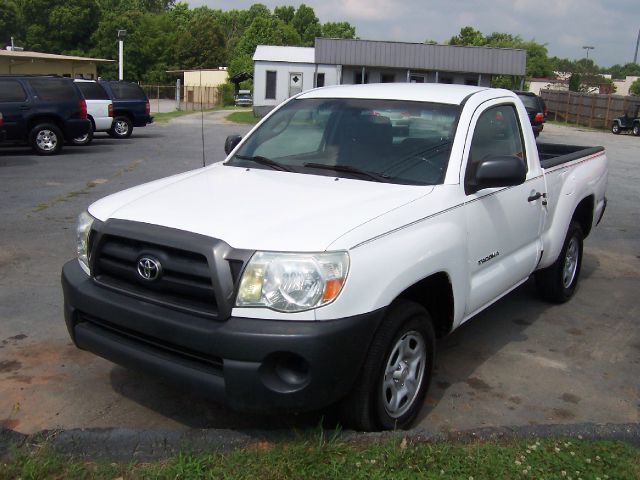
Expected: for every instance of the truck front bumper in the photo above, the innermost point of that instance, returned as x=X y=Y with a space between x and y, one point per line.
x=250 y=364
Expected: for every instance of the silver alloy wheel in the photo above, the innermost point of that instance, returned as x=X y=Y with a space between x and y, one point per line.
x=636 y=130
x=570 y=262
x=46 y=140
x=615 y=128
x=404 y=374
x=81 y=139
x=121 y=127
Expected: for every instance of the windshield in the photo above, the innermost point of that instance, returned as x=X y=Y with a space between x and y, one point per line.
x=530 y=102
x=375 y=140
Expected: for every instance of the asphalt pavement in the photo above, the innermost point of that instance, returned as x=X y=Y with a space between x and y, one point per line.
x=521 y=362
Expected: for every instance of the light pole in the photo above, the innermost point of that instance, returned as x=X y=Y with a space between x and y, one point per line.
x=121 y=35
x=587 y=48
x=635 y=57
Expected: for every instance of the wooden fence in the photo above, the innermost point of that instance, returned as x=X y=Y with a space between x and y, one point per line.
x=586 y=109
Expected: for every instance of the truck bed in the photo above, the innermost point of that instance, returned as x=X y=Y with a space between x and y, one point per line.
x=553 y=154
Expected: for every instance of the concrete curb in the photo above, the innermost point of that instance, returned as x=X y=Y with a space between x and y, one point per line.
x=125 y=445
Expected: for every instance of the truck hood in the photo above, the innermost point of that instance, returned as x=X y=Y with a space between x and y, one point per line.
x=256 y=208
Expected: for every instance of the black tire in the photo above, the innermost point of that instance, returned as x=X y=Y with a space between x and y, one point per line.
x=46 y=139
x=615 y=128
x=636 y=129
x=83 y=140
x=557 y=283
x=122 y=127
x=369 y=407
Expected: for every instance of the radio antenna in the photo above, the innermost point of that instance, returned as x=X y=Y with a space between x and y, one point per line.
x=202 y=121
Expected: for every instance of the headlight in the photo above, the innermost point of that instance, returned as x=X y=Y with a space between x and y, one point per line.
x=82 y=240
x=292 y=282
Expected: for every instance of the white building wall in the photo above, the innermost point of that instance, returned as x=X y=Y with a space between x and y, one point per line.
x=283 y=71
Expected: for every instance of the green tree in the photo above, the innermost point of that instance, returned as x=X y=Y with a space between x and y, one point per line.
x=266 y=31
x=338 y=30
x=468 y=36
x=201 y=45
x=9 y=21
x=306 y=24
x=285 y=13
x=622 y=71
x=635 y=88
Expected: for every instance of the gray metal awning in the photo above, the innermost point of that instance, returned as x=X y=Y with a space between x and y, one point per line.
x=419 y=56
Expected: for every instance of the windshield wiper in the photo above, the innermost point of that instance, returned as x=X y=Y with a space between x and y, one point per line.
x=265 y=161
x=349 y=169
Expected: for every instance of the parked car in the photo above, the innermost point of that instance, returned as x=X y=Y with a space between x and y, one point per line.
x=99 y=109
x=243 y=98
x=131 y=107
x=3 y=133
x=374 y=245
x=536 y=110
x=629 y=121
x=42 y=111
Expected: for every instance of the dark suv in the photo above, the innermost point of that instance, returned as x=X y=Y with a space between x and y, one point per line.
x=42 y=111
x=536 y=109
x=130 y=107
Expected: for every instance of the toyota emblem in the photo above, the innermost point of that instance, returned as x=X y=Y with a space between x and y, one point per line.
x=149 y=268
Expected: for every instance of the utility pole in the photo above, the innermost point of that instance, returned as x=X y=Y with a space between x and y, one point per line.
x=121 y=35
x=635 y=57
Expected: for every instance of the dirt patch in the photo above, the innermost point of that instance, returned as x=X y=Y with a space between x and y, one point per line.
x=7 y=366
x=478 y=384
x=570 y=398
x=562 y=414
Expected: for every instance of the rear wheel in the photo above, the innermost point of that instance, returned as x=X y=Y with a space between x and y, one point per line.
x=46 y=139
x=122 y=127
x=615 y=128
x=558 y=282
x=84 y=139
x=397 y=371
x=636 y=129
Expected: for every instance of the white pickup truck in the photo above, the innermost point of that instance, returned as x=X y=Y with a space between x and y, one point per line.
x=99 y=109
x=346 y=232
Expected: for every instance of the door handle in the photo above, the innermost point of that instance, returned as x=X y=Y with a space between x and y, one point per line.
x=536 y=196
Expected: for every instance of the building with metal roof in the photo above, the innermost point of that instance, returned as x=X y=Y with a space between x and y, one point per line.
x=37 y=63
x=281 y=72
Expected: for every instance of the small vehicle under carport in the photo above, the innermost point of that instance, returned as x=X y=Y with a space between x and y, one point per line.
x=628 y=121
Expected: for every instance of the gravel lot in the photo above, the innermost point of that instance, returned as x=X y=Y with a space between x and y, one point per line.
x=520 y=362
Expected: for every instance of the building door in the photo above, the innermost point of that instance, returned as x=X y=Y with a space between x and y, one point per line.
x=295 y=84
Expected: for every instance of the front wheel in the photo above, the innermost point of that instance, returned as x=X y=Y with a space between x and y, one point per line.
x=122 y=127
x=396 y=374
x=615 y=128
x=46 y=139
x=636 y=129
x=557 y=283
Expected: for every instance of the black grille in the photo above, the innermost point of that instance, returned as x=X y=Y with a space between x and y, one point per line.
x=185 y=281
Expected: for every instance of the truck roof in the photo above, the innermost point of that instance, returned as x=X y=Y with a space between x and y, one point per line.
x=421 y=92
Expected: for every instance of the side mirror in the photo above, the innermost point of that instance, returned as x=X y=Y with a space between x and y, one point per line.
x=494 y=172
x=231 y=142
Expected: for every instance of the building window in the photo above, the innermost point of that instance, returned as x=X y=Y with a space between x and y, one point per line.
x=320 y=80
x=357 y=78
x=471 y=81
x=446 y=80
x=387 y=78
x=417 y=79
x=271 y=86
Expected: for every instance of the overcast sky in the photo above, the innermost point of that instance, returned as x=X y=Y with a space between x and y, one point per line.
x=564 y=25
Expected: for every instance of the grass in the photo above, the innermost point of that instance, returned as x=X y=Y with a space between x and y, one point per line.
x=321 y=458
x=164 y=117
x=243 y=117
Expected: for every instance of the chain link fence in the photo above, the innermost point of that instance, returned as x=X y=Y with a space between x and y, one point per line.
x=586 y=109
x=162 y=98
